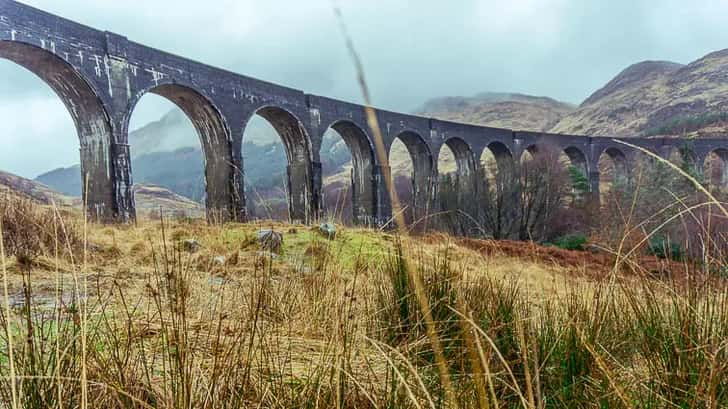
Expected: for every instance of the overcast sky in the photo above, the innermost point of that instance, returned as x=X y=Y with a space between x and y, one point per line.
x=412 y=50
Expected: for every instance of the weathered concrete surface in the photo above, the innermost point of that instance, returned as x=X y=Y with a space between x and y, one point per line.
x=100 y=77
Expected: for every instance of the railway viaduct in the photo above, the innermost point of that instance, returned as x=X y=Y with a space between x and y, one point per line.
x=100 y=76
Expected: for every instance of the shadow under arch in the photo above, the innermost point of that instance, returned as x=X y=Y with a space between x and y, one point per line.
x=685 y=157
x=716 y=168
x=422 y=174
x=108 y=199
x=503 y=157
x=577 y=159
x=221 y=201
x=457 y=189
x=303 y=200
x=363 y=188
x=618 y=169
x=466 y=165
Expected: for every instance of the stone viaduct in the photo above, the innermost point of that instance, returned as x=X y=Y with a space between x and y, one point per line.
x=100 y=77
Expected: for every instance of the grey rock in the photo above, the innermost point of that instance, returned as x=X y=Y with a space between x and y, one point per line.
x=328 y=230
x=191 y=246
x=267 y=254
x=271 y=241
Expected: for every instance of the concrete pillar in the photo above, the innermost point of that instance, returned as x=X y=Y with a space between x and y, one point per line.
x=99 y=182
x=364 y=195
x=303 y=203
x=240 y=211
x=594 y=186
x=425 y=196
x=383 y=203
x=699 y=165
x=125 y=210
x=317 y=184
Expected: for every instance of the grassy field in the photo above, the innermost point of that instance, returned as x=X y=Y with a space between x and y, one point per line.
x=129 y=317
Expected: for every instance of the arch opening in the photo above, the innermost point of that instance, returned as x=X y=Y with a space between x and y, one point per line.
x=497 y=198
x=575 y=162
x=715 y=170
x=348 y=162
x=685 y=158
x=457 y=191
x=501 y=155
x=168 y=160
x=457 y=159
x=577 y=159
x=543 y=192
x=412 y=168
x=291 y=187
x=108 y=198
x=221 y=202
x=528 y=155
x=613 y=176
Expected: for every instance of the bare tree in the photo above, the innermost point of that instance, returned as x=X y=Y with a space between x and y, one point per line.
x=518 y=202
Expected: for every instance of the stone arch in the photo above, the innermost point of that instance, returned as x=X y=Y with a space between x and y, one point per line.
x=685 y=157
x=716 y=168
x=220 y=199
x=577 y=167
x=466 y=165
x=502 y=157
x=613 y=170
x=303 y=201
x=577 y=159
x=363 y=189
x=531 y=150
x=107 y=197
x=531 y=153
x=502 y=154
x=457 y=186
x=422 y=173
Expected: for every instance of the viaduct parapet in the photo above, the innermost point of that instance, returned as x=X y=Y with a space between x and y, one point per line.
x=101 y=76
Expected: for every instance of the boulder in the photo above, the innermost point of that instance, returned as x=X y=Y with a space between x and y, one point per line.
x=191 y=246
x=271 y=241
x=328 y=230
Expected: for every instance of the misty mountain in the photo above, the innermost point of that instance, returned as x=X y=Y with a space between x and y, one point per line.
x=502 y=110
x=166 y=153
x=148 y=198
x=174 y=130
x=658 y=98
x=645 y=99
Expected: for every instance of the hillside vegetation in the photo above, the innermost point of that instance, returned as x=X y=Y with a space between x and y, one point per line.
x=645 y=99
x=511 y=111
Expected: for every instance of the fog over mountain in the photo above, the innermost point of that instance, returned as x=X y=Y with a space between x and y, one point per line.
x=564 y=49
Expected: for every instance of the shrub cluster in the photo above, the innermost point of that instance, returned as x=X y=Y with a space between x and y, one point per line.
x=30 y=230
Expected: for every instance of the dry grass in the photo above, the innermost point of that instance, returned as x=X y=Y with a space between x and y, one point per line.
x=337 y=324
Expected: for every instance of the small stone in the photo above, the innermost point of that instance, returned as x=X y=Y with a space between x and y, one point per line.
x=267 y=254
x=271 y=241
x=219 y=260
x=217 y=281
x=94 y=248
x=328 y=230
x=191 y=246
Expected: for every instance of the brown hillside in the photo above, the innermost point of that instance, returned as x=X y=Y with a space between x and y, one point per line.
x=657 y=98
x=513 y=111
x=149 y=199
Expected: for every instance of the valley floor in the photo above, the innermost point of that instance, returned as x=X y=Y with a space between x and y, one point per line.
x=182 y=314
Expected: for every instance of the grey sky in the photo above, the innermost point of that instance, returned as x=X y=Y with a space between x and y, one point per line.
x=412 y=51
